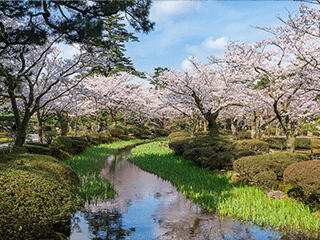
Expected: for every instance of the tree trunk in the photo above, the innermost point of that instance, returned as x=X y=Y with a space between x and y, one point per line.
x=291 y=143
x=63 y=119
x=40 y=127
x=278 y=130
x=233 y=130
x=253 y=123
x=212 y=124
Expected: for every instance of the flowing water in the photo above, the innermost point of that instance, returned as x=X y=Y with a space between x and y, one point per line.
x=148 y=207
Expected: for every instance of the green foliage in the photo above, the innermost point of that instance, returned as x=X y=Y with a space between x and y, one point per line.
x=62 y=142
x=216 y=144
x=180 y=134
x=243 y=135
x=222 y=160
x=71 y=145
x=117 y=131
x=266 y=180
x=252 y=145
x=305 y=175
x=161 y=132
x=217 y=193
x=194 y=154
x=250 y=166
x=281 y=142
x=38 y=149
x=38 y=196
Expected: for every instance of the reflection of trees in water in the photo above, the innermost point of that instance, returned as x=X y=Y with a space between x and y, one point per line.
x=106 y=225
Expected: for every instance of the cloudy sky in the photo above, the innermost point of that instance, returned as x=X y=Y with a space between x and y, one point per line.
x=201 y=29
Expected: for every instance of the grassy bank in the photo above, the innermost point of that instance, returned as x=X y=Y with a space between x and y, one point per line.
x=88 y=165
x=217 y=193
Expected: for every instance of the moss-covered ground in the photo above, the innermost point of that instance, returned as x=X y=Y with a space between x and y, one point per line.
x=218 y=194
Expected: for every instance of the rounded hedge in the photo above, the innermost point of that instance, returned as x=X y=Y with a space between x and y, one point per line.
x=281 y=142
x=195 y=153
x=305 y=175
x=252 y=145
x=37 y=197
x=266 y=180
x=250 y=166
x=62 y=142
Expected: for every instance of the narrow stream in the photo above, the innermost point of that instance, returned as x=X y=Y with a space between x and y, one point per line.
x=148 y=207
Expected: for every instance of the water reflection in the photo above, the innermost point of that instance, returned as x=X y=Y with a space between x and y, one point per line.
x=148 y=207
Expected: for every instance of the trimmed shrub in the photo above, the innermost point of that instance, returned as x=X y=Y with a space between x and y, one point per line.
x=266 y=180
x=252 y=145
x=180 y=134
x=79 y=144
x=116 y=131
x=195 y=153
x=305 y=175
x=37 y=144
x=62 y=143
x=37 y=197
x=161 y=132
x=222 y=160
x=250 y=166
x=38 y=149
x=216 y=144
x=281 y=142
x=243 y=135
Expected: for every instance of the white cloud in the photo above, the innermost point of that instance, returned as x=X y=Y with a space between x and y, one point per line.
x=186 y=64
x=218 y=44
x=171 y=9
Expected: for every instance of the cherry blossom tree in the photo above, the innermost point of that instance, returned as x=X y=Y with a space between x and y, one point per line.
x=283 y=79
x=204 y=90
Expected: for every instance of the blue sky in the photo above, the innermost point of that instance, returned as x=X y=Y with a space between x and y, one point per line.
x=201 y=29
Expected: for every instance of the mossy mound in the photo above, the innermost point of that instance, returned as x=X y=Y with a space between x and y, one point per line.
x=37 y=197
x=250 y=166
x=305 y=175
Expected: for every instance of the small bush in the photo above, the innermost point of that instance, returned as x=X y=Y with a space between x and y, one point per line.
x=305 y=175
x=38 y=149
x=216 y=144
x=38 y=144
x=195 y=153
x=266 y=180
x=179 y=134
x=223 y=160
x=37 y=197
x=62 y=143
x=243 y=135
x=116 y=131
x=161 y=132
x=281 y=142
x=250 y=166
x=252 y=145
x=79 y=144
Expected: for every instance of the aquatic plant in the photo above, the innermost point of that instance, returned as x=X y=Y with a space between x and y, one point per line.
x=217 y=193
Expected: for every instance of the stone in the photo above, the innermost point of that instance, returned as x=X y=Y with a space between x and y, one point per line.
x=276 y=194
x=236 y=177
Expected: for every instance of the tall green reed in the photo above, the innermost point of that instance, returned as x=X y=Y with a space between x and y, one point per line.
x=217 y=193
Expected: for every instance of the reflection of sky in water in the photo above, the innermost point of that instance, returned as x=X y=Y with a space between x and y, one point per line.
x=150 y=207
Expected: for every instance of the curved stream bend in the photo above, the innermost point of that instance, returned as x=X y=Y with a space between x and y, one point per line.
x=148 y=207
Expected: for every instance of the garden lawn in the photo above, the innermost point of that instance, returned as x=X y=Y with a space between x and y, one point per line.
x=217 y=193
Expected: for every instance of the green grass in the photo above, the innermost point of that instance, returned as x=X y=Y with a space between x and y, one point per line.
x=89 y=164
x=218 y=194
